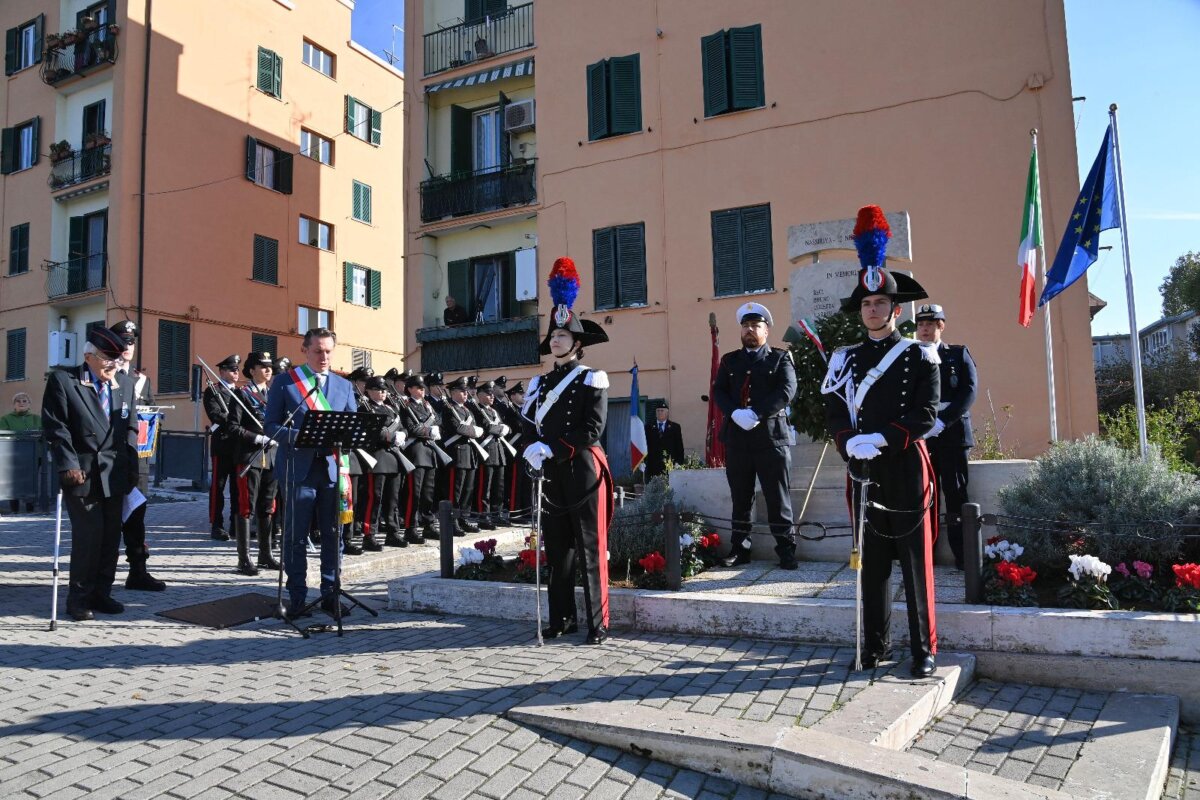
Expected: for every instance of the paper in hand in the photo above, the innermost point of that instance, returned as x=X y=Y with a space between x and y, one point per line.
x=132 y=502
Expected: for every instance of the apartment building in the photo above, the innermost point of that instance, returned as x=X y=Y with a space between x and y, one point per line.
x=226 y=174
x=670 y=147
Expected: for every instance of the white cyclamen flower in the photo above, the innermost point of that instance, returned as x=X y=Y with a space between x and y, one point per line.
x=469 y=555
x=1089 y=566
x=686 y=541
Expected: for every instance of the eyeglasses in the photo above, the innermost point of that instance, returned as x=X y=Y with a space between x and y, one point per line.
x=930 y=308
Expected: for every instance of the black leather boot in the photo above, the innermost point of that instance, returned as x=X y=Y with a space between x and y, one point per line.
x=139 y=578
x=353 y=538
x=265 y=559
x=241 y=530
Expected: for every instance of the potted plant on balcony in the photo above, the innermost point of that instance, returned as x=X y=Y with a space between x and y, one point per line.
x=97 y=139
x=60 y=151
x=114 y=29
x=54 y=41
x=68 y=38
x=89 y=23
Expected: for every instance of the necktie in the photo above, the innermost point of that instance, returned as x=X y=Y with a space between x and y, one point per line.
x=662 y=428
x=105 y=402
x=321 y=376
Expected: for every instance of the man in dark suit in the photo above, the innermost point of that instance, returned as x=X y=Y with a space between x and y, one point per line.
x=86 y=414
x=951 y=438
x=224 y=445
x=664 y=439
x=754 y=388
x=316 y=482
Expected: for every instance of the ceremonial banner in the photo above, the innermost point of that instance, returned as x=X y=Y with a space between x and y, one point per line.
x=637 y=428
x=147 y=433
x=1031 y=240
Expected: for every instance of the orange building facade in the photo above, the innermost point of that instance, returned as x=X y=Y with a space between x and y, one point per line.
x=669 y=147
x=226 y=174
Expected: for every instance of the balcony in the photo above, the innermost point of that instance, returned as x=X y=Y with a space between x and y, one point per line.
x=478 y=40
x=69 y=167
x=77 y=53
x=476 y=192
x=76 y=276
x=481 y=345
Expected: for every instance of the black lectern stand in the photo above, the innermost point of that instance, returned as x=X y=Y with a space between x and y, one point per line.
x=344 y=430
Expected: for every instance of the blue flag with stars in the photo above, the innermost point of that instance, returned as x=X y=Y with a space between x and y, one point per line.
x=1096 y=210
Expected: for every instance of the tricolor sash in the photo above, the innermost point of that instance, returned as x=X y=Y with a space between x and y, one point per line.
x=305 y=379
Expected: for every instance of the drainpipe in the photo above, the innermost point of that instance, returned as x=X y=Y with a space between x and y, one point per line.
x=141 y=281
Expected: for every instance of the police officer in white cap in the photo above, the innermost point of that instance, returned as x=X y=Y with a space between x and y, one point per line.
x=754 y=388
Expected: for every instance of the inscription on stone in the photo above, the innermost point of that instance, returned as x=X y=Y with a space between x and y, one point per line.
x=818 y=289
x=835 y=234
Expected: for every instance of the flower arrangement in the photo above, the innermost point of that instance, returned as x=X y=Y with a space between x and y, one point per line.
x=526 y=561
x=1088 y=587
x=654 y=575
x=1005 y=583
x=1185 y=595
x=1003 y=549
x=1137 y=586
x=479 y=562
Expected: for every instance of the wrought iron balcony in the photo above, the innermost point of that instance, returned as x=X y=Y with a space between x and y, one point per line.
x=476 y=192
x=80 y=166
x=78 y=53
x=477 y=40
x=76 y=276
x=482 y=345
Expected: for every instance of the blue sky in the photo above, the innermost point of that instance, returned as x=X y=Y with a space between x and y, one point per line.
x=1138 y=55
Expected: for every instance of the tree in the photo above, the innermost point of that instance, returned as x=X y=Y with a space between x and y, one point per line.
x=1181 y=288
x=1164 y=375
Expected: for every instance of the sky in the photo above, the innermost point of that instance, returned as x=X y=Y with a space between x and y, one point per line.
x=1139 y=55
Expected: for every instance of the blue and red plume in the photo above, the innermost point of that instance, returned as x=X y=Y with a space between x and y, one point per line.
x=563 y=282
x=871 y=234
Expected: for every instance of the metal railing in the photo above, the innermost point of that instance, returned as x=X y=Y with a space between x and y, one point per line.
x=79 y=54
x=76 y=276
x=81 y=165
x=480 y=345
x=479 y=191
x=478 y=40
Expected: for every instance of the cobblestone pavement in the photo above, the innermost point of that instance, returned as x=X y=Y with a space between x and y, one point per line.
x=1183 y=782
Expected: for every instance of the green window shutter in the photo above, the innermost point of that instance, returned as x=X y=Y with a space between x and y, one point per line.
x=472 y=10
x=604 y=267
x=18 y=249
x=174 y=350
x=366 y=203
x=283 y=171
x=727 y=252
x=746 y=67
x=277 y=75
x=39 y=36
x=350 y=104
x=625 y=93
x=348 y=282
x=37 y=140
x=494 y=8
x=461 y=159
x=14 y=369
x=376 y=126
x=716 y=74
x=75 y=242
x=597 y=100
x=8 y=150
x=251 y=159
x=266 y=71
x=757 y=270
x=458 y=279
x=631 y=264
x=356 y=201
x=374 y=288
x=266 y=259
x=264 y=343
x=12 y=50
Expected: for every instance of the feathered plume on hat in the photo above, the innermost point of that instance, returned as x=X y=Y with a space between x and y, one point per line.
x=871 y=234
x=564 y=288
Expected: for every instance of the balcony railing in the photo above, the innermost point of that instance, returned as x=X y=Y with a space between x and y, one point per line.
x=80 y=166
x=76 y=276
x=482 y=345
x=479 y=39
x=78 y=53
x=476 y=192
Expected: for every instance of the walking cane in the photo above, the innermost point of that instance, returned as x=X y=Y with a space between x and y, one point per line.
x=57 y=542
x=856 y=562
x=538 y=477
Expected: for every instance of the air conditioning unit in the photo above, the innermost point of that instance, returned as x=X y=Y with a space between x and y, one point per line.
x=63 y=352
x=518 y=116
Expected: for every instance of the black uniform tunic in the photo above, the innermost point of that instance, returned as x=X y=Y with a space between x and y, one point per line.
x=950 y=447
x=457 y=420
x=421 y=422
x=489 y=500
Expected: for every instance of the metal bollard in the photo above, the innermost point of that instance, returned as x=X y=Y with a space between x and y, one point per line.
x=671 y=550
x=972 y=531
x=620 y=497
x=446 y=537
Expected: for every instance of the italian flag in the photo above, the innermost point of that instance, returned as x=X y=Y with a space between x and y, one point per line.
x=637 y=428
x=1031 y=240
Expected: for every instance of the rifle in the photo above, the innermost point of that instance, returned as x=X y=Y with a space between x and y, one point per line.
x=443 y=458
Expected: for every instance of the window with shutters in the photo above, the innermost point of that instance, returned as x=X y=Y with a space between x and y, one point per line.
x=362 y=286
x=266 y=260
x=18 y=249
x=732 y=67
x=315 y=233
x=361 y=202
x=264 y=343
x=174 y=356
x=360 y=359
x=742 y=252
x=268 y=166
x=14 y=367
x=270 y=72
x=619 y=261
x=23 y=45
x=318 y=58
x=363 y=122
x=315 y=146
x=308 y=318
x=476 y=10
x=614 y=97
x=19 y=146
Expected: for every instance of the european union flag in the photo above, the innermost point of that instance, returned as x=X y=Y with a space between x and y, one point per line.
x=1096 y=210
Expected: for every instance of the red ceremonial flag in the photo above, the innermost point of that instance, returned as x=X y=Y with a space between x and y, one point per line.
x=714 y=448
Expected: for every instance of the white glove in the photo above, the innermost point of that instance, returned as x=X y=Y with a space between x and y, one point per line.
x=875 y=439
x=435 y=432
x=260 y=440
x=273 y=443
x=938 y=427
x=505 y=430
x=477 y=432
x=863 y=451
x=400 y=438
x=745 y=418
x=536 y=453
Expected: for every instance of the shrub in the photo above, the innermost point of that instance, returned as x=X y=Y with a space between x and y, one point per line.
x=636 y=529
x=1123 y=500
x=1171 y=428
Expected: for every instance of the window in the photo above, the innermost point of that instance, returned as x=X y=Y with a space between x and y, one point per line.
x=362 y=202
x=18 y=249
x=14 y=367
x=363 y=122
x=742 y=250
x=318 y=59
x=268 y=166
x=360 y=359
x=619 y=260
x=310 y=318
x=486 y=140
x=266 y=260
x=475 y=10
x=270 y=72
x=264 y=343
x=486 y=286
x=361 y=286
x=19 y=146
x=316 y=147
x=174 y=356
x=87 y=249
x=732 y=63
x=23 y=45
x=315 y=233
x=614 y=96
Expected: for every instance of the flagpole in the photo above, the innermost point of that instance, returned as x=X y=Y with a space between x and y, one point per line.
x=1135 y=344
x=1046 y=316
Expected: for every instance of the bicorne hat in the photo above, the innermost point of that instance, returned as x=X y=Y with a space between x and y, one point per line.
x=564 y=288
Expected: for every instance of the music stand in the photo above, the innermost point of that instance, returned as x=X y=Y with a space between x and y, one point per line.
x=346 y=430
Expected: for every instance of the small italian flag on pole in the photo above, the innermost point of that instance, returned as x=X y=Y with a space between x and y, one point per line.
x=1031 y=240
